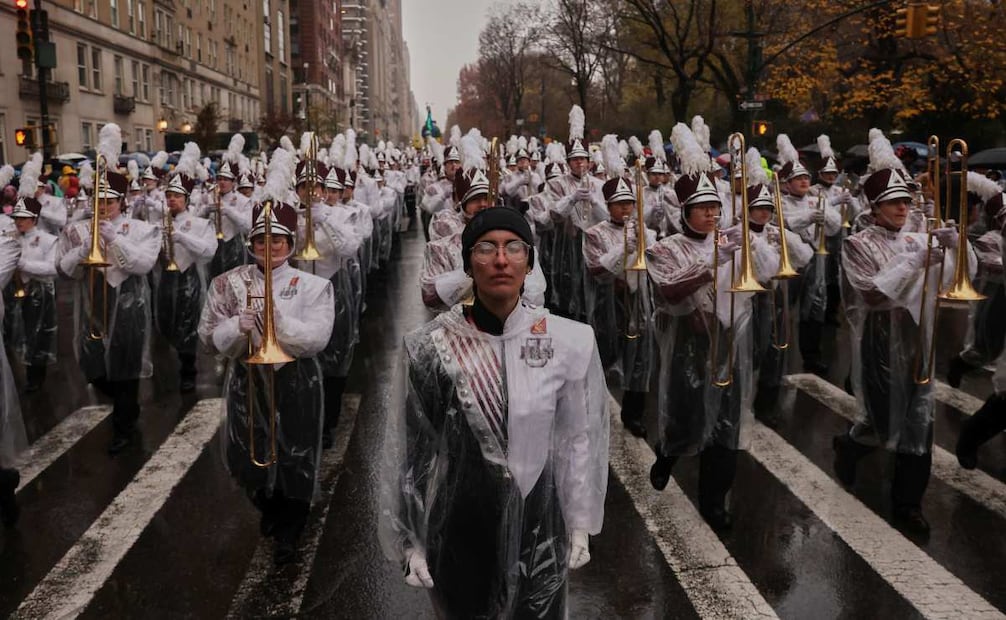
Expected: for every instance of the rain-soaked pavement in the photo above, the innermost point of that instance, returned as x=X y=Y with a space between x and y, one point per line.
x=161 y=531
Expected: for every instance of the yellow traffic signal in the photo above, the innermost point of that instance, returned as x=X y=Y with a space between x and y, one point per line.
x=22 y=35
x=761 y=129
x=25 y=136
x=931 y=21
x=902 y=20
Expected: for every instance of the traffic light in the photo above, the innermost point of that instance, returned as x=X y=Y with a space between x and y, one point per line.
x=25 y=49
x=931 y=21
x=760 y=129
x=25 y=136
x=904 y=20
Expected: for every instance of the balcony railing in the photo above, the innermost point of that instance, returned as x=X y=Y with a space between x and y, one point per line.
x=57 y=92
x=123 y=105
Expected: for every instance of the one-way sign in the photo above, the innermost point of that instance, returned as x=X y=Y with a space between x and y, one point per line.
x=747 y=106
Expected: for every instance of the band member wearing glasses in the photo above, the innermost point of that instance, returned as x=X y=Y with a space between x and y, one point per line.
x=497 y=466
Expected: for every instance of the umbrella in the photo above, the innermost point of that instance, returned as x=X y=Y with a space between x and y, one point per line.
x=71 y=157
x=859 y=150
x=989 y=158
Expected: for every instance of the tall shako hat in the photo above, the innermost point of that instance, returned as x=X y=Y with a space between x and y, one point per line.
x=133 y=173
x=657 y=161
x=229 y=167
x=695 y=185
x=827 y=155
x=453 y=150
x=617 y=188
x=532 y=147
x=27 y=205
x=556 y=157
x=597 y=162
x=983 y=191
x=472 y=181
x=305 y=168
x=186 y=172
x=792 y=167
x=577 y=122
x=276 y=190
x=155 y=170
x=522 y=152
x=113 y=185
x=888 y=179
x=759 y=195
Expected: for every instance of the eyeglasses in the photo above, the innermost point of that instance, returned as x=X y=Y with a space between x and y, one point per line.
x=484 y=252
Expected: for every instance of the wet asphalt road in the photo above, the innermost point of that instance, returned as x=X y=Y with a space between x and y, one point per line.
x=787 y=555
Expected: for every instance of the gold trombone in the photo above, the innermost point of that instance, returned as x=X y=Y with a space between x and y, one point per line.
x=169 y=241
x=493 y=171
x=269 y=352
x=822 y=248
x=95 y=258
x=961 y=288
x=310 y=251
x=217 y=216
x=933 y=168
x=632 y=310
x=786 y=271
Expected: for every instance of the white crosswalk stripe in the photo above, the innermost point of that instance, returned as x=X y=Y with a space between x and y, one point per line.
x=61 y=438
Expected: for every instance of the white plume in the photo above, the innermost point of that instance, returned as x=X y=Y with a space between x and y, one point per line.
x=244 y=164
x=455 y=140
x=472 y=155
x=337 y=152
x=305 y=144
x=436 y=150
x=133 y=169
x=381 y=146
x=694 y=160
x=636 y=146
x=756 y=174
x=657 y=145
x=30 y=173
x=352 y=154
x=188 y=162
x=824 y=145
x=787 y=152
x=86 y=175
x=532 y=145
x=613 y=162
x=6 y=175
x=157 y=161
x=286 y=144
x=701 y=132
x=234 y=148
x=522 y=143
x=623 y=149
x=363 y=156
x=203 y=170
x=882 y=153
x=982 y=186
x=554 y=153
x=577 y=121
x=279 y=175
x=110 y=144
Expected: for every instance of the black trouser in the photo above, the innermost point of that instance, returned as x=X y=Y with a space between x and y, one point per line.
x=36 y=374
x=633 y=406
x=911 y=477
x=125 y=402
x=984 y=425
x=188 y=365
x=810 y=341
x=717 y=468
x=288 y=516
x=334 y=387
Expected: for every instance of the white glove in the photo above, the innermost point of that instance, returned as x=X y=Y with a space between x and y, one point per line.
x=417 y=572
x=918 y=259
x=582 y=194
x=247 y=320
x=726 y=251
x=817 y=217
x=579 y=549
x=107 y=230
x=734 y=234
x=947 y=236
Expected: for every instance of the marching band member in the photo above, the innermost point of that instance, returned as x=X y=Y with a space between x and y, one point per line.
x=841 y=198
x=885 y=273
x=608 y=248
x=438 y=196
x=33 y=316
x=189 y=248
x=444 y=281
x=303 y=314
x=497 y=468
x=13 y=439
x=113 y=356
x=697 y=412
x=234 y=209
x=986 y=318
x=662 y=211
x=53 y=216
x=804 y=216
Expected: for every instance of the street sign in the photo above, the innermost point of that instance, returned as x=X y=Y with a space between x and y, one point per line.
x=748 y=106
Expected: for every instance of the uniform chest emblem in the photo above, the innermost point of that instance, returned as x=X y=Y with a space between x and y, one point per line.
x=124 y=230
x=290 y=289
x=536 y=352
x=35 y=241
x=539 y=328
x=187 y=226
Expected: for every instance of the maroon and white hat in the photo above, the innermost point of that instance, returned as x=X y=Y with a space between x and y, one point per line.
x=180 y=184
x=617 y=189
x=759 y=197
x=827 y=155
x=332 y=180
x=452 y=153
x=26 y=206
x=283 y=219
x=245 y=181
x=792 y=167
x=470 y=184
x=320 y=172
x=113 y=185
x=693 y=189
x=888 y=179
x=228 y=170
x=575 y=147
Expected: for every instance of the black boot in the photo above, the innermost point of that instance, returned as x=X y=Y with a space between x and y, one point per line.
x=334 y=388
x=985 y=424
x=125 y=411
x=660 y=471
x=956 y=370
x=911 y=477
x=847 y=455
x=717 y=467
x=633 y=407
x=291 y=519
x=765 y=405
x=810 y=347
x=187 y=373
x=35 y=375
x=9 y=511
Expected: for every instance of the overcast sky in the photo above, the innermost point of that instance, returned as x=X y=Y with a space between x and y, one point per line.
x=443 y=36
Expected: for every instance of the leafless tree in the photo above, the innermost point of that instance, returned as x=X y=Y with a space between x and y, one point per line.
x=505 y=52
x=578 y=30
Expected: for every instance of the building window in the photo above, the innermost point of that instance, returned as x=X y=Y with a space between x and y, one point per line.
x=199 y=47
x=92 y=9
x=148 y=140
x=120 y=79
x=113 y=12
x=136 y=80
x=86 y=136
x=280 y=36
x=78 y=6
x=138 y=132
x=268 y=27
x=145 y=82
x=95 y=68
x=141 y=17
x=131 y=16
x=188 y=42
x=82 y=65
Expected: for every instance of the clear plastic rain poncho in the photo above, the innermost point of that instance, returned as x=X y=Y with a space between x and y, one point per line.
x=882 y=289
x=303 y=316
x=500 y=453
x=694 y=413
x=121 y=350
x=33 y=318
x=443 y=281
x=609 y=288
x=338 y=243
x=987 y=318
x=445 y=223
x=572 y=218
x=798 y=214
x=180 y=293
x=13 y=439
x=235 y=221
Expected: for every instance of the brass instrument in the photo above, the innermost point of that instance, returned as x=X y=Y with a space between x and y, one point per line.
x=217 y=215
x=493 y=172
x=920 y=377
x=785 y=272
x=19 y=290
x=961 y=289
x=269 y=352
x=847 y=186
x=714 y=340
x=822 y=249
x=95 y=258
x=632 y=310
x=169 y=241
x=310 y=251
x=933 y=168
